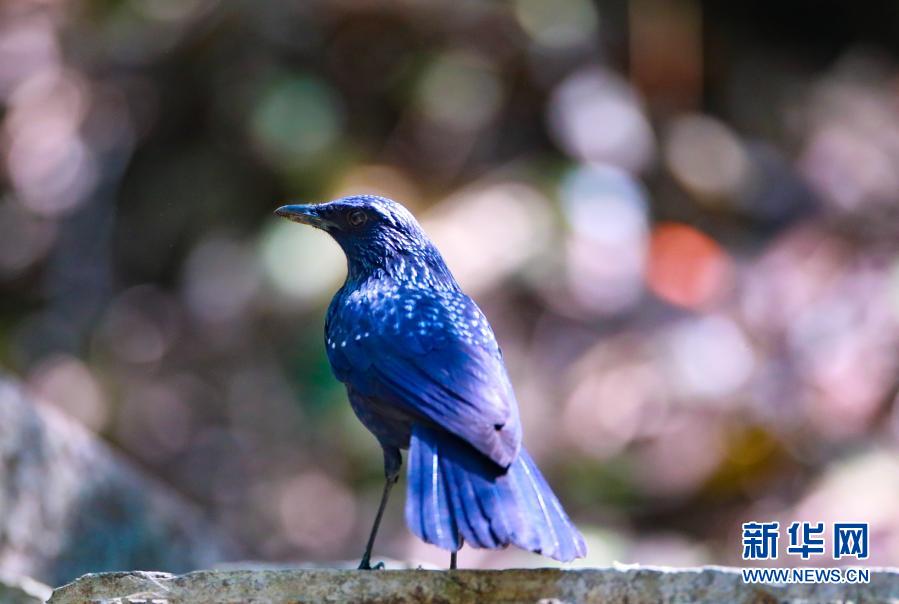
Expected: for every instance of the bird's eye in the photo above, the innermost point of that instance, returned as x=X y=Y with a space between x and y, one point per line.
x=357 y=217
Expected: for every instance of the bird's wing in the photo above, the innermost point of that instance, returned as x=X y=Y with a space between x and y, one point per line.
x=433 y=354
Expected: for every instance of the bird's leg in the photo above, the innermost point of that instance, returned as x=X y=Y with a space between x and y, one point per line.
x=392 y=462
x=365 y=564
x=454 y=555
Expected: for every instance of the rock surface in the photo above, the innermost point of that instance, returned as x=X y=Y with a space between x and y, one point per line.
x=624 y=585
x=70 y=505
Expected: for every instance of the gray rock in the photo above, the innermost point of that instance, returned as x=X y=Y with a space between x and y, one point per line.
x=625 y=585
x=70 y=505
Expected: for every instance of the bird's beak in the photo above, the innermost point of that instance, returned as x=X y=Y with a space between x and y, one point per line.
x=304 y=214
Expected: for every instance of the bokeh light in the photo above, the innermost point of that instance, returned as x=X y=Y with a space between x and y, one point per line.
x=460 y=91
x=522 y=230
x=50 y=166
x=687 y=267
x=66 y=383
x=301 y=264
x=608 y=215
x=221 y=277
x=297 y=118
x=710 y=359
x=595 y=115
x=561 y=25
x=706 y=157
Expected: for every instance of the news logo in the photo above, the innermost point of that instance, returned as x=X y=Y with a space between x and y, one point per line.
x=805 y=539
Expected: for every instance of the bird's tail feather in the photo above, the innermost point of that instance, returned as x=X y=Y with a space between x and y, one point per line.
x=455 y=494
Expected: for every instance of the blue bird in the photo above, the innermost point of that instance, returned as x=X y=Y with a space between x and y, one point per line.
x=423 y=372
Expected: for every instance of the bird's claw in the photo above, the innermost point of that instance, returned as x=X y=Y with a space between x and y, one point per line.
x=366 y=565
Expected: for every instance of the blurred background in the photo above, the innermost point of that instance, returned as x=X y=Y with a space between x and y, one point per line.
x=680 y=217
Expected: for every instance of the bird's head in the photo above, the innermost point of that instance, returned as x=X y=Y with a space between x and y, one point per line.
x=374 y=232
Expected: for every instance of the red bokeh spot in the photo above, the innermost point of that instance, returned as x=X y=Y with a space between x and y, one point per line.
x=686 y=267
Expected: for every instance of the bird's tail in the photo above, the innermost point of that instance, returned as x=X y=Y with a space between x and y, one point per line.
x=455 y=494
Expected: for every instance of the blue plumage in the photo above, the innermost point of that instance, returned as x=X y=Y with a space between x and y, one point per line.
x=423 y=371
x=490 y=507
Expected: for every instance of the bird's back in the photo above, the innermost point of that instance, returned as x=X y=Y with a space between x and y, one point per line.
x=427 y=352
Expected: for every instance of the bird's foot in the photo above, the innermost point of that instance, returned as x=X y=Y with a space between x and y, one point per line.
x=366 y=565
